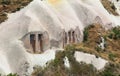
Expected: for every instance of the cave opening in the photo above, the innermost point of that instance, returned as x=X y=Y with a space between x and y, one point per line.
x=32 y=41
x=40 y=36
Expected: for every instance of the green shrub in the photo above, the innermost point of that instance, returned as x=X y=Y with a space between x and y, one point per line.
x=111 y=70
x=12 y=74
x=115 y=33
x=111 y=35
x=112 y=56
x=70 y=48
x=98 y=49
x=108 y=73
x=5 y=2
x=86 y=33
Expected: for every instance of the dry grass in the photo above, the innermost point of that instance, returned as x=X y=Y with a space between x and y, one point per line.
x=111 y=54
x=110 y=7
x=10 y=6
x=90 y=46
x=57 y=68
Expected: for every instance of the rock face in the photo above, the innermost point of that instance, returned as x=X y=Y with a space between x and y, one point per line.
x=36 y=42
x=98 y=63
x=47 y=24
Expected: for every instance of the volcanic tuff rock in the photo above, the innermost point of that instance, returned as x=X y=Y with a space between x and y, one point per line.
x=56 y=21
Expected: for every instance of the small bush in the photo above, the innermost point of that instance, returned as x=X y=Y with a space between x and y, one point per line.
x=108 y=73
x=5 y=2
x=12 y=74
x=113 y=7
x=112 y=56
x=111 y=35
x=111 y=70
x=115 y=33
x=98 y=49
x=86 y=33
x=70 y=48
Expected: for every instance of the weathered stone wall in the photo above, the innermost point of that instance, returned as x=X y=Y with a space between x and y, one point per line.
x=37 y=42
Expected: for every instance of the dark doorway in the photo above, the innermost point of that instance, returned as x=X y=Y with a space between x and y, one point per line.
x=69 y=34
x=32 y=41
x=73 y=36
x=40 y=41
x=65 y=38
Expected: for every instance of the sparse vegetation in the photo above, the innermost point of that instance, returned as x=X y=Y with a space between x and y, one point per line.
x=110 y=7
x=85 y=38
x=10 y=6
x=114 y=33
x=111 y=70
x=6 y=2
x=112 y=56
x=57 y=68
x=86 y=33
x=12 y=74
x=91 y=37
x=98 y=49
x=112 y=42
x=91 y=45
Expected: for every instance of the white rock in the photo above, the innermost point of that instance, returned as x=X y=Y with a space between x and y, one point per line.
x=98 y=63
x=66 y=62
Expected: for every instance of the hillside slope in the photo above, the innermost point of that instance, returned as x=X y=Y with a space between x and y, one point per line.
x=53 y=17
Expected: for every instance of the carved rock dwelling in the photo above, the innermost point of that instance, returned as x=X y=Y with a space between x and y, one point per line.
x=37 y=42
